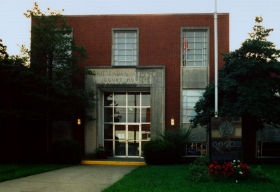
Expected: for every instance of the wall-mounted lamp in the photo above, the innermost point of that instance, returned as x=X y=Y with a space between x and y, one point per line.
x=79 y=121
x=172 y=122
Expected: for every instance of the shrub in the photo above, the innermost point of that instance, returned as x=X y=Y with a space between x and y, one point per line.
x=202 y=161
x=179 y=137
x=159 y=152
x=66 y=151
x=199 y=169
x=258 y=175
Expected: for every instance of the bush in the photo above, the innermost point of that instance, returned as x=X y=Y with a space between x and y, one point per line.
x=199 y=169
x=202 y=171
x=66 y=151
x=258 y=175
x=159 y=152
x=180 y=138
x=202 y=161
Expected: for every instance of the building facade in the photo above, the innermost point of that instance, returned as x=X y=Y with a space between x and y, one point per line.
x=149 y=71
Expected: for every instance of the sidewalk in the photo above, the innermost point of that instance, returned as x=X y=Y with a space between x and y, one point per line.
x=82 y=178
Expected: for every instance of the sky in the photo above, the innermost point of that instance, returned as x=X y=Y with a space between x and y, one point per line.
x=15 y=28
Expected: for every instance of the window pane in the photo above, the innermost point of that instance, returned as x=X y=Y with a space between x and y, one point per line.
x=146 y=130
x=108 y=114
x=145 y=115
x=129 y=46
x=120 y=40
x=109 y=147
x=133 y=115
x=108 y=99
x=190 y=57
x=131 y=40
x=108 y=131
x=129 y=58
x=190 y=34
x=133 y=99
x=131 y=34
x=198 y=63
x=198 y=34
x=133 y=132
x=119 y=115
x=121 y=58
x=120 y=99
x=190 y=63
x=146 y=99
x=199 y=45
x=198 y=57
x=192 y=96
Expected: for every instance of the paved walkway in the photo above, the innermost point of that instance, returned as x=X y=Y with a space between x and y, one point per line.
x=82 y=178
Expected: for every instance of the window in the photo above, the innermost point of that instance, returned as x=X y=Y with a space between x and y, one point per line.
x=126 y=122
x=194 y=48
x=190 y=97
x=125 y=48
x=268 y=149
x=196 y=148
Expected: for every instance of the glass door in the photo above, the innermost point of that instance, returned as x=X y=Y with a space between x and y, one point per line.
x=126 y=123
x=133 y=140
x=127 y=140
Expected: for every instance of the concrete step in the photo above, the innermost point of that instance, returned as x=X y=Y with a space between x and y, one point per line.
x=115 y=161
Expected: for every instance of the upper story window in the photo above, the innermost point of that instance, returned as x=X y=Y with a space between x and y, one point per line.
x=190 y=98
x=195 y=47
x=125 y=48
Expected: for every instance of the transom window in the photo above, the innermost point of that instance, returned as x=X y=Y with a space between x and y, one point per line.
x=190 y=97
x=194 y=48
x=125 y=48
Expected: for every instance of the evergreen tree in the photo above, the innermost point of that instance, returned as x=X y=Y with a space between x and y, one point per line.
x=248 y=84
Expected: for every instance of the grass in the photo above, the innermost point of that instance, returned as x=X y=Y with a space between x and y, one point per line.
x=175 y=178
x=14 y=171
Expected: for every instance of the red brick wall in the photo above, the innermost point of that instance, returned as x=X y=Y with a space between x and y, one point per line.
x=159 y=44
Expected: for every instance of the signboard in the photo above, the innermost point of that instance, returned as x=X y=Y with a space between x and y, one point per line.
x=226 y=135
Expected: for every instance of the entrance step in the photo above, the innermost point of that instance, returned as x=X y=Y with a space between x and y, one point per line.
x=115 y=161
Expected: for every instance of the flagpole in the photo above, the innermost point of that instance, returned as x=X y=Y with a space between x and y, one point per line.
x=216 y=57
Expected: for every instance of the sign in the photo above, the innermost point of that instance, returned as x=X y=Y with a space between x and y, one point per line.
x=225 y=142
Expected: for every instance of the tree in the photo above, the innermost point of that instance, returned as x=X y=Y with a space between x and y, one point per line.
x=3 y=52
x=54 y=59
x=249 y=83
x=50 y=88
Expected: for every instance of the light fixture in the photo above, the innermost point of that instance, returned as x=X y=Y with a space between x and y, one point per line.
x=172 y=122
x=79 y=121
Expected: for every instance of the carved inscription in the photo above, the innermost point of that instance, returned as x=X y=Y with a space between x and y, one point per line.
x=124 y=76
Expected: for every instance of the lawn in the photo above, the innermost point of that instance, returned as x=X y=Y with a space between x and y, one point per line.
x=13 y=171
x=175 y=178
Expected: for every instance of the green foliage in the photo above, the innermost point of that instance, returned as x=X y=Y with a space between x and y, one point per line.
x=66 y=152
x=100 y=149
x=159 y=152
x=51 y=86
x=249 y=83
x=202 y=161
x=54 y=57
x=258 y=175
x=173 y=178
x=180 y=138
x=198 y=170
x=202 y=171
x=3 y=52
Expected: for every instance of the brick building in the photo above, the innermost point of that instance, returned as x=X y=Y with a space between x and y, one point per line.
x=149 y=72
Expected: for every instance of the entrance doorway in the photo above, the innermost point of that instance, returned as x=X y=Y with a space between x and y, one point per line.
x=126 y=123
x=127 y=140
